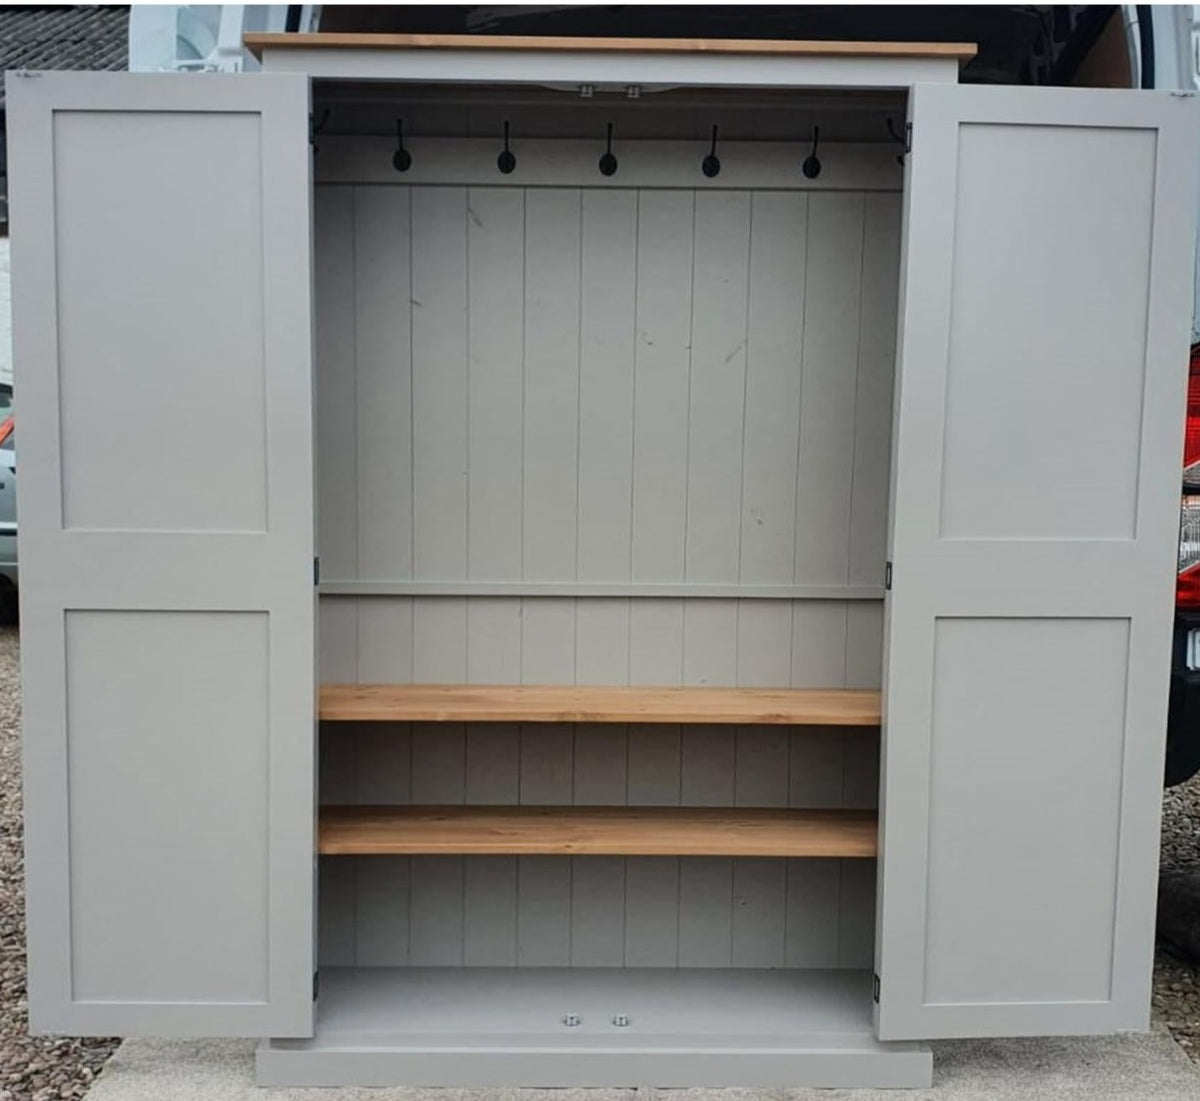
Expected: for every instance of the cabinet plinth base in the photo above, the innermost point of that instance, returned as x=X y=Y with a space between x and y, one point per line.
x=559 y=1027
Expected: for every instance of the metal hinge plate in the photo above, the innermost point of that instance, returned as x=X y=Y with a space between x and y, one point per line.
x=315 y=126
x=316 y=570
x=887 y=578
x=875 y=990
x=902 y=138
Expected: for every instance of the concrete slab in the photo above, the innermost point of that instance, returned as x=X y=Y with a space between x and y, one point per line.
x=1148 y=1067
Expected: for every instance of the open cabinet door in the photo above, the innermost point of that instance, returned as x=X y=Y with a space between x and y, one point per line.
x=161 y=229
x=1045 y=318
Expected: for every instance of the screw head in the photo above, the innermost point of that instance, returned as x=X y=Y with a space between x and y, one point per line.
x=572 y=1020
x=621 y=1021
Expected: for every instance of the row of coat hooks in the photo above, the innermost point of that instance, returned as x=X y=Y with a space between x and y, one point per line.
x=506 y=162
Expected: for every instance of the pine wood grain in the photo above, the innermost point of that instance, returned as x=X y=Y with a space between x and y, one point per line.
x=598 y=704
x=256 y=43
x=612 y=831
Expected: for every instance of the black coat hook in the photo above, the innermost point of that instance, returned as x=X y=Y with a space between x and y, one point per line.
x=402 y=158
x=904 y=139
x=608 y=163
x=812 y=163
x=507 y=160
x=711 y=164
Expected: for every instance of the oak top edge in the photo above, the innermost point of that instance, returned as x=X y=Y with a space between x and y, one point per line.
x=256 y=43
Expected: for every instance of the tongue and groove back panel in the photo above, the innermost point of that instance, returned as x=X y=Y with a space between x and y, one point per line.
x=531 y=395
x=574 y=385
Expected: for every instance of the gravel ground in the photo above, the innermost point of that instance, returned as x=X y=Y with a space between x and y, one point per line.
x=49 y=1068
x=32 y=1068
x=1176 y=981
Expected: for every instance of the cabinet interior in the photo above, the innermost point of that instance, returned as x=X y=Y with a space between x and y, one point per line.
x=614 y=436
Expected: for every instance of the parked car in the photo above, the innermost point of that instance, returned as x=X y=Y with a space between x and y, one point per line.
x=1183 y=719
x=8 y=520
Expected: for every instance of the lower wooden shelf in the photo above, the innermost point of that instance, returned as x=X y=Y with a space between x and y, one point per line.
x=596 y=831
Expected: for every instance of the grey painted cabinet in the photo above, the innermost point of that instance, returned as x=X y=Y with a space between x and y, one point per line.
x=611 y=431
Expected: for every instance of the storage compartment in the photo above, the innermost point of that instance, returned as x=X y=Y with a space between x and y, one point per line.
x=602 y=432
x=475 y=968
x=524 y=968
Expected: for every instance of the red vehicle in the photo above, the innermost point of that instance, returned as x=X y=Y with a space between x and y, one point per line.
x=1183 y=722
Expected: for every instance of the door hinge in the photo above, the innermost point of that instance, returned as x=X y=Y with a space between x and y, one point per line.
x=875 y=990
x=887 y=577
x=315 y=126
x=316 y=570
x=901 y=137
x=317 y=985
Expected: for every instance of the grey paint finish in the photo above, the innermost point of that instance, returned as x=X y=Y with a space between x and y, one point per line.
x=570 y=67
x=1072 y=914
x=209 y=331
x=601 y=640
x=139 y=800
x=167 y=611
x=1046 y=493
x=481 y=1026
x=608 y=590
x=1040 y=383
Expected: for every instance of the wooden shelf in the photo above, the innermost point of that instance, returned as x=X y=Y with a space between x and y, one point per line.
x=327 y=40
x=609 y=831
x=591 y=704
